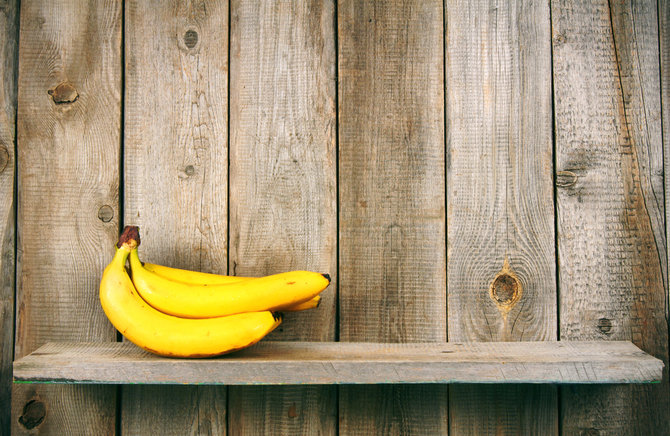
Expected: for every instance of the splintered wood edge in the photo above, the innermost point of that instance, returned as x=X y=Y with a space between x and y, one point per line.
x=282 y=363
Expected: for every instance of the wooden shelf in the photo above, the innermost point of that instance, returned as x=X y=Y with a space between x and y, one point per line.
x=347 y=363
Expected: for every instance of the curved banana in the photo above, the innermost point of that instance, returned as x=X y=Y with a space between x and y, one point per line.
x=188 y=276
x=202 y=278
x=275 y=292
x=168 y=335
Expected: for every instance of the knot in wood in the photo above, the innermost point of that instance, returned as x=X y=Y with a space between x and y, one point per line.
x=506 y=289
x=105 y=213
x=33 y=414
x=190 y=38
x=605 y=326
x=4 y=158
x=64 y=93
x=565 y=179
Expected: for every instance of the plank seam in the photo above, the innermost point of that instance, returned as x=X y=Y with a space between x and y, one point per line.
x=554 y=157
x=227 y=424
x=15 y=189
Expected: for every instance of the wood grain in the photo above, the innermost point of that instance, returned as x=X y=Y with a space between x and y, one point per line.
x=664 y=49
x=282 y=185
x=392 y=201
x=68 y=133
x=281 y=362
x=501 y=257
x=176 y=172
x=611 y=237
x=9 y=43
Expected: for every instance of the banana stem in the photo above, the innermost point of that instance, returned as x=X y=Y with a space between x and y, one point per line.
x=130 y=237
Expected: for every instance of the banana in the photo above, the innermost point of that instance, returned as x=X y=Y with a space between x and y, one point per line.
x=309 y=304
x=201 y=278
x=187 y=276
x=275 y=292
x=167 y=335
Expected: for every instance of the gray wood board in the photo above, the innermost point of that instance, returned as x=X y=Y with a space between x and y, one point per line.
x=283 y=192
x=176 y=173
x=274 y=362
x=501 y=255
x=392 y=201
x=68 y=136
x=9 y=42
x=610 y=223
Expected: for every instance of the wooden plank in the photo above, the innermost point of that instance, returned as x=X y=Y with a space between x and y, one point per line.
x=501 y=257
x=283 y=186
x=611 y=237
x=392 y=201
x=9 y=43
x=280 y=362
x=176 y=172
x=68 y=133
x=664 y=51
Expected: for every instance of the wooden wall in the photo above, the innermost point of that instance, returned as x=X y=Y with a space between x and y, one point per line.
x=465 y=170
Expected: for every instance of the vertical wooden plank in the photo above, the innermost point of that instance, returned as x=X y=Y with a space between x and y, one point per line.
x=500 y=210
x=282 y=186
x=611 y=237
x=68 y=132
x=392 y=201
x=176 y=174
x=664 y=48
x=9 y=43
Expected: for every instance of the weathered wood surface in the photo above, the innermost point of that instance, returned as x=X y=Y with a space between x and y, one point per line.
x=501 y=256
x=392 y=201
x=68 y=133
x=279 y=362
x=176 y=172
x=283 y=195
x=664 y=50
x=611 y=236
x=9 y=43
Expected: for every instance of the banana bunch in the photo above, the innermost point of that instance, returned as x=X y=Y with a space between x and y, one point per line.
x=181 y=313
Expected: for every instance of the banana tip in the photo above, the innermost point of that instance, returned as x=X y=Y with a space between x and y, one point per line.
x=327 y=276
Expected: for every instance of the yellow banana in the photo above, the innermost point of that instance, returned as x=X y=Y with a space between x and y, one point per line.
x=201 y=278
x=309 y=304
x=275 y=292
x=187 y=276
x=172 y=336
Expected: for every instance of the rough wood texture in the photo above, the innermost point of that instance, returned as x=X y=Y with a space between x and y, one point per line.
x=349 y=362
x=68 y=132
x=611 y=237
x=664 y=48
x=501 y=257
x=9 y=42
x=392 y=201
x=282 y=185
x=176 y=171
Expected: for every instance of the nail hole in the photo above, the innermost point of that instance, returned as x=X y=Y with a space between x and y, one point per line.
x=189 y=170
x=190 y=38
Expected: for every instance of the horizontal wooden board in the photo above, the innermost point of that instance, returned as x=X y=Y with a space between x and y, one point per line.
x=348 y=363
